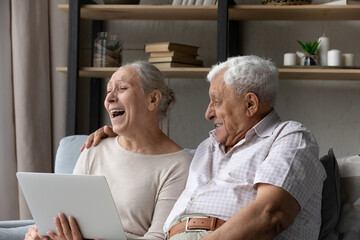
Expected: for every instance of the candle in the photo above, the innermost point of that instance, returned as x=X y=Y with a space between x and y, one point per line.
x=348 y=59
x=289 y=59
x=323 y=49
x=334 y=57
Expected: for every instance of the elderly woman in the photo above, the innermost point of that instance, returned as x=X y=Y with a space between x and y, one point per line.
x=141 y=161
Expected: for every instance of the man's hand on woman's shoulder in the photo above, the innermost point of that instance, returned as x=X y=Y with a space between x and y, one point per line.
x=95 y=137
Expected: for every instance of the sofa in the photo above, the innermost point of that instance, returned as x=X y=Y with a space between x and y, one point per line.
x=66 y=156
x=340 y=203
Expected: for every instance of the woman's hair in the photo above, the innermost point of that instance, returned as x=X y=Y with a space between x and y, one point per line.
x=151 y=79
x=250 y=74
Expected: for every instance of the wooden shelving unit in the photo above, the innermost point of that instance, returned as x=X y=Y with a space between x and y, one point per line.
x=236 y=13
x=226 y=17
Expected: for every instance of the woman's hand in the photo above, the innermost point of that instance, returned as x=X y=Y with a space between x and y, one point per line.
x=95 y=137
x=33 y=234
x=66 y=230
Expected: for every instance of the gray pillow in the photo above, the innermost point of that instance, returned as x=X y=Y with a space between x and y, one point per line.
x=331 y=196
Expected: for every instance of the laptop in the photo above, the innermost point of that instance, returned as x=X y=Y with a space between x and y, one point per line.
x=85 y=197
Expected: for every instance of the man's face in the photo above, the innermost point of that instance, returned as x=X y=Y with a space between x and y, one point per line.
x=227 y=111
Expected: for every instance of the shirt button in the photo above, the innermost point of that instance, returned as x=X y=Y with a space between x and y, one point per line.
x=209 y=182
x=193 y=199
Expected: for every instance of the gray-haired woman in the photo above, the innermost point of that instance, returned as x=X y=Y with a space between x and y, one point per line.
x=145 y=169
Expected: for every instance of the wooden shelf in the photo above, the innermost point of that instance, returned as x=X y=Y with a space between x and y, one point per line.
x=238 y=12
x=200 y=73
x=299 y=12
x=319 y=73
x=102 y=72
x=145 y=12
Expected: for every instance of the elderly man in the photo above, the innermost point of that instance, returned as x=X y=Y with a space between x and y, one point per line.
x=255 y=177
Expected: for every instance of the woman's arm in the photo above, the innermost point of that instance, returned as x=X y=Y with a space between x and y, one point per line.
x=171 y=188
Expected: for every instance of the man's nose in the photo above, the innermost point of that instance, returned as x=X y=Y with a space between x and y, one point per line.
x=209 y=114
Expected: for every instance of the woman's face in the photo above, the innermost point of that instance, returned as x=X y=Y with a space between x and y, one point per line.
x=125 y=101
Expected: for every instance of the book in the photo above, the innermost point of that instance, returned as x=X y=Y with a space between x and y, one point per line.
x=191 y=2
x=177 y=2
x=209 y=2
x=199 y=2
x=171 y=54
x=170 y=46
x=176 y=59
x=172 y=64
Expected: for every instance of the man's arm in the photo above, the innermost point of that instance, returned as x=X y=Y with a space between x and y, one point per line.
x=273 y=210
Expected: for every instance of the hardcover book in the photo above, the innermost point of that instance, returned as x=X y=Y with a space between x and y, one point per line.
x=176 y=60
x=170 y=46
x=171 y=54
x=172 y=64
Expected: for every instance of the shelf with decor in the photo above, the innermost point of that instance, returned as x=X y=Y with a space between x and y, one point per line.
x=227 y=17
x=288 y=73
x=237 y=12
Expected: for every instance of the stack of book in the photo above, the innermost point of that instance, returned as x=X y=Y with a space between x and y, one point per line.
x=195 y=2
x=169 y=54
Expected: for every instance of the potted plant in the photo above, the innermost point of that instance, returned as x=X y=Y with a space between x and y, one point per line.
x=310 y=48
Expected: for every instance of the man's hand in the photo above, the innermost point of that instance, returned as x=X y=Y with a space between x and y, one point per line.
x=95 y=137
x=33 y=234
x=66 y=230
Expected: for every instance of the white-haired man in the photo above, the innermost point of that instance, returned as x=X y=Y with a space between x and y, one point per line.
x=255 y=177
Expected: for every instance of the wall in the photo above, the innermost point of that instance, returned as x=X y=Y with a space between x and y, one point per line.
x=330 y=109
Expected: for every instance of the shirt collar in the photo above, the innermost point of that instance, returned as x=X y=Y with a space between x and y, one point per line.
x=264 y=128
x=267 y=125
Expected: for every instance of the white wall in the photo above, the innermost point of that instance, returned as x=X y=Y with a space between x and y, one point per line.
x=330 y=109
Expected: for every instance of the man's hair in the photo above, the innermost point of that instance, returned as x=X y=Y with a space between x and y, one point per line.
x=250 y=74
x=151 y=79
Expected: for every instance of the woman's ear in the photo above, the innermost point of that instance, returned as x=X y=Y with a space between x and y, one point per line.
x=154 y=99
x=252 y=102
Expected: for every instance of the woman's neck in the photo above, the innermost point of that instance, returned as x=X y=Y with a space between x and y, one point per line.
x=149 y=142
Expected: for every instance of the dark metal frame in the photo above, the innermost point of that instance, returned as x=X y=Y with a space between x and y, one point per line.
x=227 y=45
x=227 y=32
x=73 y=67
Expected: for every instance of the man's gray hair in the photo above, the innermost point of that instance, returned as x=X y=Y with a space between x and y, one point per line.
x=250 y=74
x=151 y=79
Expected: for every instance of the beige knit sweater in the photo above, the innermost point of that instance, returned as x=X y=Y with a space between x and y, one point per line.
x=144 y=187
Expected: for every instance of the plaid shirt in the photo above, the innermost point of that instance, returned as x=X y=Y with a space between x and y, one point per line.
x=283 y=154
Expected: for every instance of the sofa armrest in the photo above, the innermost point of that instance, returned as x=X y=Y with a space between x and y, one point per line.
x=14 y=230
x=16 y=223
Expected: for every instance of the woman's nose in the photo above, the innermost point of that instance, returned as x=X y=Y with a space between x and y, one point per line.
x=110 y=97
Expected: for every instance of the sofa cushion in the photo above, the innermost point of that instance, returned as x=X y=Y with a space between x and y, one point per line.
x=349 y=221
x=68 y=153
x=331 y=196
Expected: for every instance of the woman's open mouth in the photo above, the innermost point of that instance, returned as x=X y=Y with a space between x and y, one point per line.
x=116 y=113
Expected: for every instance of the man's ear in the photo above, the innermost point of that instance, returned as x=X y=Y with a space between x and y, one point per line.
x=154 y=99
x=252 y=102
